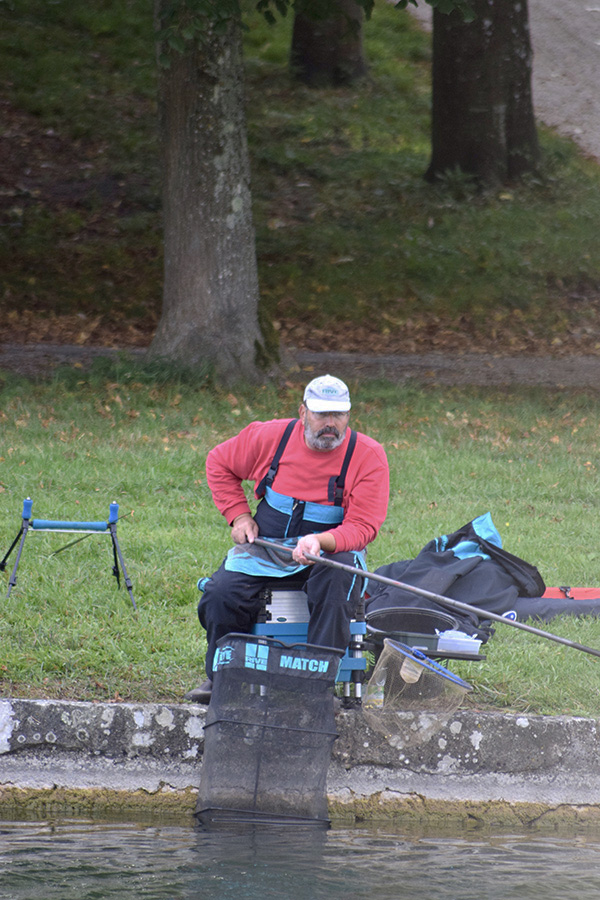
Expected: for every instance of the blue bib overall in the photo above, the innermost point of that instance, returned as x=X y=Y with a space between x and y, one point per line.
x=231 y=600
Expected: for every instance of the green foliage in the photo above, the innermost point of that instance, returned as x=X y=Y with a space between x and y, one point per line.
x=464 y=7
x=348 y=231
x=186 y=22
x=197 y=21
x=312 y=9
x=183 y=22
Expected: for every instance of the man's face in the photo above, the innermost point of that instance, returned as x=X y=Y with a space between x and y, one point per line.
x=323 y=431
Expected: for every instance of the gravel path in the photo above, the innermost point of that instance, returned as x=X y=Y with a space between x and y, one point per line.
x=468 y=369
x=566 y=68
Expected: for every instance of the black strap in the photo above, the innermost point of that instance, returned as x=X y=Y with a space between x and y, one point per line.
x=336 y=485
x=267 y=481
x=339 y=482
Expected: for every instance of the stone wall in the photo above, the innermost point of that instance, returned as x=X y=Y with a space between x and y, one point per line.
x=484 y=766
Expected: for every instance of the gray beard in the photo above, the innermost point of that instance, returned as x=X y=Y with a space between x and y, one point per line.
x=316 y=441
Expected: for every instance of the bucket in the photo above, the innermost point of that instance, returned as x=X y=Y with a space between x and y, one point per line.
x=410 y=625
x=409 y=696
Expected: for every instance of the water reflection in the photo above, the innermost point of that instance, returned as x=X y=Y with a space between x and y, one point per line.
x=83 y=860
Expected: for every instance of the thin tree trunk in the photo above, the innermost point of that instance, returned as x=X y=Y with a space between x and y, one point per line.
x=328 y=52
x=482 y=115
x=210 y=296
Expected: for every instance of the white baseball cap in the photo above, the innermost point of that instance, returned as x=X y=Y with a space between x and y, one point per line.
x=327 y=394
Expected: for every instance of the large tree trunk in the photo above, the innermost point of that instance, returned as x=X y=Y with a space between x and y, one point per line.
x=210 y=296
x=328 y=52
x=482 y=117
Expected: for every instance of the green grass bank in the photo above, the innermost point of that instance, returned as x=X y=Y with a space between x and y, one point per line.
x=356 y=252
x=123 y=433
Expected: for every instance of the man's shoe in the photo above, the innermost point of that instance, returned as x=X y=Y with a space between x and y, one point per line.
x=200 y=694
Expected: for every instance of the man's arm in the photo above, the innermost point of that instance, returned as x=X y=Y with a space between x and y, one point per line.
x=231 y=463
x=366 y=497
x=245 y=457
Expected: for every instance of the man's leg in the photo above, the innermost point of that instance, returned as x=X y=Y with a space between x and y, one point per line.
x=230 y=603
x=333 y=598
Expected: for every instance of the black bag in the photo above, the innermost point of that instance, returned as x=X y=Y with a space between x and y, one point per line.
x=524 y=575
x=462 y=566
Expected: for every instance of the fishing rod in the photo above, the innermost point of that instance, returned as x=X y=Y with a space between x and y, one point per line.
x=429 y=595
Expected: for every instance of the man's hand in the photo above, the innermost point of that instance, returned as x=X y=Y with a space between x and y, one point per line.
x=244 y=529
x=310 y=543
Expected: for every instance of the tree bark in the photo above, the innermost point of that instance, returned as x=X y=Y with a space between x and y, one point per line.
x=210 y=295
x=482 y=116
x=328 y=52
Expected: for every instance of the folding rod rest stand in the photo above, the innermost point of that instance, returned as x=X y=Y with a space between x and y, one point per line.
x=109 y=527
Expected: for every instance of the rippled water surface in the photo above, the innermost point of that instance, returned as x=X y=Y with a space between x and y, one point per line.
x=82 y=860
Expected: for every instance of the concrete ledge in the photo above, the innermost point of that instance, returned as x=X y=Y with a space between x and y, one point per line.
x=478 y=765
x=99 y=757
x=484 y=767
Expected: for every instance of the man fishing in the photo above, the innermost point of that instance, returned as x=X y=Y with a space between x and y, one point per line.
x=322 y=489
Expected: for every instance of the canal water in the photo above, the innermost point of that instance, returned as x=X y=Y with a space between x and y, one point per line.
x=78 y=859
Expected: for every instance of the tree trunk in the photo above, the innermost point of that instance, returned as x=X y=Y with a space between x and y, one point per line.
x=328 y=52
x=210 y=295
x=482 y=117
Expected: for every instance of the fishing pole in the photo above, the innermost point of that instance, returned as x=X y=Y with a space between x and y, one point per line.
x=429 y=595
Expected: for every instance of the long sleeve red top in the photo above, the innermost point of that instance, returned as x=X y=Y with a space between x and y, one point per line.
x=303 y=474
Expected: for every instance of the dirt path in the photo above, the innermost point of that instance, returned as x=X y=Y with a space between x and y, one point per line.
x=477 y=369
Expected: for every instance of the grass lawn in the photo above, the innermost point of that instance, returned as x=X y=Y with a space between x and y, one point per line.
x=124 y=434
x=355 y=252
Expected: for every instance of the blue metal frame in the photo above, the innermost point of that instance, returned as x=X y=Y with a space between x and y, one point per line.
x=60 y=526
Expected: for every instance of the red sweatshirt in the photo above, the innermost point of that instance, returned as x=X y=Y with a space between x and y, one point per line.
x=303 y=474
